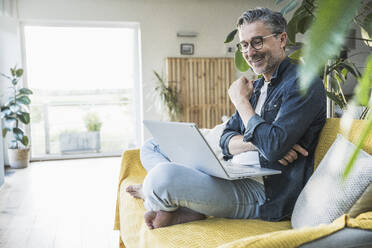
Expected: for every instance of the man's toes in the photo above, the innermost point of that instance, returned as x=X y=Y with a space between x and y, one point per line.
x=149 y=218
x=130 y=188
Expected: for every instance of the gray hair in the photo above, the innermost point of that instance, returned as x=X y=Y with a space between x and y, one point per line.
x=274 y=19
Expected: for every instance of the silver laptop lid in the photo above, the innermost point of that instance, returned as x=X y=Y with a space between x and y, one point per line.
x=183 y=143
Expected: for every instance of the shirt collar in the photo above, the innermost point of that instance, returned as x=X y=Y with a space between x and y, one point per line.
x=279 y=71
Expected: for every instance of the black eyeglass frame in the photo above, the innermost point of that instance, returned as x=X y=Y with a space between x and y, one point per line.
x=259 y=40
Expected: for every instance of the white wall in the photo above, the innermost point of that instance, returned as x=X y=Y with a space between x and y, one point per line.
x=159 y=20
x=10 y=51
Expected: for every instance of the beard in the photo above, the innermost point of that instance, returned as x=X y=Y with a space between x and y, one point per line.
x=263 y=62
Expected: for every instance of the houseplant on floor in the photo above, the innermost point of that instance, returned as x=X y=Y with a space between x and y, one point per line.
x=16 y=114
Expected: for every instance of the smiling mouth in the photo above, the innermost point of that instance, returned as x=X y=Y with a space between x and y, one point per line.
x=257 y=60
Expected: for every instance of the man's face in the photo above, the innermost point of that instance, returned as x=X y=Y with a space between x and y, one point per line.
x=265 y=60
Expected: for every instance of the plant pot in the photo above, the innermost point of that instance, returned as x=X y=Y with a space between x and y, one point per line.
x=18 y=158
x=80 y=142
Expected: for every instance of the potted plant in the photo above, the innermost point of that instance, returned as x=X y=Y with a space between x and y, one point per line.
x=75 y=141
x=15 y=113
x=169 y=98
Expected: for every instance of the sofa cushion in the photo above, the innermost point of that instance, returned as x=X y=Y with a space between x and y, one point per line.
x=327 y=196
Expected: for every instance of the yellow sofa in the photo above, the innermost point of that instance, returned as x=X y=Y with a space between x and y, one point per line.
x=220 y=232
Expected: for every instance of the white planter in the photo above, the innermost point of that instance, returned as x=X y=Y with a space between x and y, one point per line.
x=18 y=158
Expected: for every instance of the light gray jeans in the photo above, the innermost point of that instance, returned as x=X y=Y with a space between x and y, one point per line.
x=169 y=186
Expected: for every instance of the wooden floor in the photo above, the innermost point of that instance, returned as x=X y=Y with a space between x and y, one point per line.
x=60 y=204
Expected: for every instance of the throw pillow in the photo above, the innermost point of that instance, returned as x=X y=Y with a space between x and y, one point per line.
x=326 y=196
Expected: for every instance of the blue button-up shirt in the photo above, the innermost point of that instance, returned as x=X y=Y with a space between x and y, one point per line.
x=287 y=118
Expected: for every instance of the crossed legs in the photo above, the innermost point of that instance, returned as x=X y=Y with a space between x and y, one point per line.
x=175 y=194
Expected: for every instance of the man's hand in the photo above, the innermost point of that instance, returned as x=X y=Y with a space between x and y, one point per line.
x=292 y=155
x=240 y=91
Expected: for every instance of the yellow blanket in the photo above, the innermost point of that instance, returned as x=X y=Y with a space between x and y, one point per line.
x=214 y=232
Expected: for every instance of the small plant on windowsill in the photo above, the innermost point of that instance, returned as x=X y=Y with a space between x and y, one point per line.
x=15 y=113
x=72 y=141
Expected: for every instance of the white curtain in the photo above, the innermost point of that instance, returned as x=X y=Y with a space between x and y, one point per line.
x=9 y=8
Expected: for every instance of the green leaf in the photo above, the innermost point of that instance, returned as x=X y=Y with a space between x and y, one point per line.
x=365 y=84
x=240 y=62
x=24 y=117
x=18 y=133
x=350 y=67
x=296 y=55
x=6 y=112
x=5 y=130
x=19 y=72
x=24 y=100
x=25 y=141
x=25 y=91
x=336 y=98
x=366 y=36
x=289 y=7
x=292 y=30
x=304 y=24
x=344 y=72
x=230 y=37
x=325 y=36
x=14 y=81
x=367 y=24
x=362 y=138
x=13 y=71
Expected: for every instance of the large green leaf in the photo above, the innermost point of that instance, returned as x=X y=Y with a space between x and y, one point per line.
x=325 y=36
x=363 y=89
x=292 y=30
x=24 y=117
x=25 y=91
x=230 y=37
x=24 y=100
x=240 y=62
x=304 y=24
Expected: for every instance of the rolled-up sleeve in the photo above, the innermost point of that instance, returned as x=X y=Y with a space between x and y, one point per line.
x=297 y=112
x=232 y=128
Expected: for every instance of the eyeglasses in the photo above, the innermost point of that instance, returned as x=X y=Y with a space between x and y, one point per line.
x=256 y=43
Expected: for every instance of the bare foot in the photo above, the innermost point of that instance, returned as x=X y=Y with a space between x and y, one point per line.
x=156 y=219
x=135 y=191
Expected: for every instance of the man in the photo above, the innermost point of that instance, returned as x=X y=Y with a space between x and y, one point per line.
x=273 y=120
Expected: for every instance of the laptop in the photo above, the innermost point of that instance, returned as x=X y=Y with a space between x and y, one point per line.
x=184 y=144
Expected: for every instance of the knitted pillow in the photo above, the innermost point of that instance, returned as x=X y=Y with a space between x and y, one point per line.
x=326 y=196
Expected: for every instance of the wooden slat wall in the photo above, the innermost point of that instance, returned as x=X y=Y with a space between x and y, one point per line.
x=202 y=85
